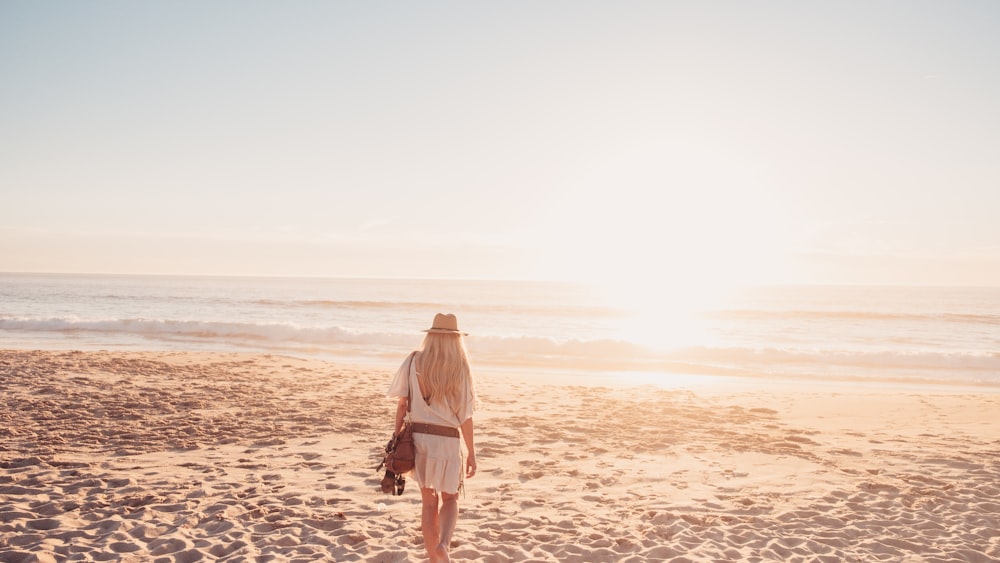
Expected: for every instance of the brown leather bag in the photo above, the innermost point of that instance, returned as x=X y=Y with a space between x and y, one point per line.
x=400 y=453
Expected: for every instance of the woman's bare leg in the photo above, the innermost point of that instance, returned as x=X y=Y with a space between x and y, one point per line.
x=448 y=519
x=429 y=522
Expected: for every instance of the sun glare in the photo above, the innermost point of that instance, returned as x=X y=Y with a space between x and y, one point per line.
x=660 y=314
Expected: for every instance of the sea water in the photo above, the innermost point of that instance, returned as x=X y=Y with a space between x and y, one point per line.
x=916 y=334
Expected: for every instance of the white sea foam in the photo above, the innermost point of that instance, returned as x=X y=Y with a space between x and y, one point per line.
x=600 y=354
x=925 y=333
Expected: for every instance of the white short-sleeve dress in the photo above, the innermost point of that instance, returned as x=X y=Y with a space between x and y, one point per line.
x=439 y=459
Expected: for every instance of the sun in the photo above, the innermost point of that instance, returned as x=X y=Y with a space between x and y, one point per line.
x=662 y=314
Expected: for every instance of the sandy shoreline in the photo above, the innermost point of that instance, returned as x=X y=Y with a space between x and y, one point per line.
x=175 y=456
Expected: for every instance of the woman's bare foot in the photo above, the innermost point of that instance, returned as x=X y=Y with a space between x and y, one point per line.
x=440 y=555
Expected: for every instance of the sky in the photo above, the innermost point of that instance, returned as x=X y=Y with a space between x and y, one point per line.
x=672 y=144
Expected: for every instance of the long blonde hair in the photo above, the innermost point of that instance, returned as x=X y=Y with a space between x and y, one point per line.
x=444 y=364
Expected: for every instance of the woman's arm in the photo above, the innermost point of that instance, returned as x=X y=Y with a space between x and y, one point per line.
x=470 y=460
x=400 y=414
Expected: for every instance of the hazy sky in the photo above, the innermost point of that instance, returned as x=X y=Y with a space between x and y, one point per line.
x=674 y=142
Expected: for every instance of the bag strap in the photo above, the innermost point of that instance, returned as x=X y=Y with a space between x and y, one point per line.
x=409 y=388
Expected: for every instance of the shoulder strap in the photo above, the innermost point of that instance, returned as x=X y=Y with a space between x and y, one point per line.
x=409 y=388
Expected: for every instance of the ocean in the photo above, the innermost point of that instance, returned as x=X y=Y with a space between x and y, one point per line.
x=945 y=335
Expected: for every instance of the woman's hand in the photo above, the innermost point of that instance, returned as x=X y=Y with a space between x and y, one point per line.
x=470 y=447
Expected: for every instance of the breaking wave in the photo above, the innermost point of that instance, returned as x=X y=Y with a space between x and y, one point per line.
x=595 y=354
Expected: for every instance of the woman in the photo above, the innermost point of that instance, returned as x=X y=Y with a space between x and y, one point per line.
x=435 y=386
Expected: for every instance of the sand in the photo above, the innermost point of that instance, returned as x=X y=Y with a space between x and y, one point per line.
x=179 y=457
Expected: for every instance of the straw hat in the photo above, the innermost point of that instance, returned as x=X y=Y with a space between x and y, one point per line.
x=445 y=324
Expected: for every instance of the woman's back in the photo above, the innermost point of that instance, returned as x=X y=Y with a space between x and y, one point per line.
x=435 y=407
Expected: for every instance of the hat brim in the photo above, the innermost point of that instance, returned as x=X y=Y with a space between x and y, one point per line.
x=446 y=331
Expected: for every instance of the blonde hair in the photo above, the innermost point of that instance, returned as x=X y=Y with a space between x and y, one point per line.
x=444 y=364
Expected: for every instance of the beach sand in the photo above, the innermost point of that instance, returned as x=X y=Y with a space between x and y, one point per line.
x=181 y=457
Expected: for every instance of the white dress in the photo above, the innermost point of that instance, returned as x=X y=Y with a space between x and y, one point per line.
x=439 y=459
